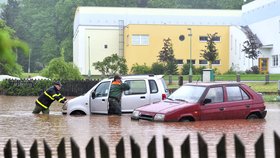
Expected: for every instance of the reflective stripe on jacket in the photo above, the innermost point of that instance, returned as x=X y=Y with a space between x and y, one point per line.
x=51 y=94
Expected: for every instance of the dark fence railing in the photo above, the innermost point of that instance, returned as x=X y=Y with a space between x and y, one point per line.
x=151 y=148
x=36 y=87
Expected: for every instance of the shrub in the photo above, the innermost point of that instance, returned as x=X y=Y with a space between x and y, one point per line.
x=140 y=69
x=157 y=68
x=253 y=70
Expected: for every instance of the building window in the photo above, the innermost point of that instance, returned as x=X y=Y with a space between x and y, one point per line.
x=193 y=62
x=274 y=60
x=179 y=61
x=217 y=62
x=202 y=62
x=204 y=39
x=140 y=40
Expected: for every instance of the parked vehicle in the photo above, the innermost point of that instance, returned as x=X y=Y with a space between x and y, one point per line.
x=206 y=101
x=144 y=90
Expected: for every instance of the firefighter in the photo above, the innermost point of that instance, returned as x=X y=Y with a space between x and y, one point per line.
x=45 y=99
x=115 y=94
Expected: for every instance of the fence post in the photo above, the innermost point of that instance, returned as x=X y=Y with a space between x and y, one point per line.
x=259 y=147
x=135 y=149
x=104 y=149
x=267 y=79
x=34 y=150
x=152 y=152
x=8 y=149
x=21 y=153
x=185 y=148
x=221 y=148
x=237 y=77
x=239 y=147
x=75 y=149
x=180 y=80
x=61 y=149
x=48 y=152
x=120 y=149
x=170 y=80
x=168 y=150
x=202 y=147
x=90 y=149
x=276 y=145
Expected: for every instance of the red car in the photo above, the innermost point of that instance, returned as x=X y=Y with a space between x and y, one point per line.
x=206 y=101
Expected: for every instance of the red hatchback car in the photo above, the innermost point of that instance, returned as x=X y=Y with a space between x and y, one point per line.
x=205 y=101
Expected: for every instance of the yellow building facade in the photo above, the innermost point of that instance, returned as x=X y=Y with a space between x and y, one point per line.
x=142 y=44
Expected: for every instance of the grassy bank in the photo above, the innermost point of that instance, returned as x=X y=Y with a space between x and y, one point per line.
x=269 y=90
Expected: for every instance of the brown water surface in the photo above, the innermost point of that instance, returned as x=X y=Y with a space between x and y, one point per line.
x=18 y=123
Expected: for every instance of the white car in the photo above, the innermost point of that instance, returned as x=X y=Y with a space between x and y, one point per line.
x=144 y=90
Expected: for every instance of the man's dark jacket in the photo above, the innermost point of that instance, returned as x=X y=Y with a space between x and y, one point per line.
x=51 y=94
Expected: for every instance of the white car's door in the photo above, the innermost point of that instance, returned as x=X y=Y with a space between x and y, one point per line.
x=100 y=104
x=137 y=96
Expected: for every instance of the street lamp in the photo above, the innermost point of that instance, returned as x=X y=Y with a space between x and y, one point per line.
x=190 y=71
x=29 y=60
x=89 y=57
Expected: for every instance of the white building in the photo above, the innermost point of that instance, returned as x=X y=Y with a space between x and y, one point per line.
x=263 y=18
x=99 y=31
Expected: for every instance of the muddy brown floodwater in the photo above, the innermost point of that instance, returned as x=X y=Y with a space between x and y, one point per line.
x=18 y=123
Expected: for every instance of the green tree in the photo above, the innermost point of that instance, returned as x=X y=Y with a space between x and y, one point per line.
x=10 y=12
x=210 y=53
x=10 y=46
x=111 y=65
x=166 y=56
x=59 y=69
x=35 y=23
x=161 y=4
x=251 y=48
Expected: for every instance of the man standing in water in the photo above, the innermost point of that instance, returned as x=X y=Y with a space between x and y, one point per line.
x=45 y=99
x=115 y=94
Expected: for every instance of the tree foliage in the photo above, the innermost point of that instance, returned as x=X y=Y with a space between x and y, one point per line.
x=59 y=69
x=8 y=48
x=140 y=69
x=166 y=56
x=111 y=65
x=157 y=68
x=251 y=47
x=210 y=53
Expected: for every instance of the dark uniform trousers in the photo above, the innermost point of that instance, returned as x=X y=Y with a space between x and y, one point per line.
x=114 y=106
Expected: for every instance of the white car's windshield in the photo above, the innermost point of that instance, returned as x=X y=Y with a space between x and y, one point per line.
x=189 y=94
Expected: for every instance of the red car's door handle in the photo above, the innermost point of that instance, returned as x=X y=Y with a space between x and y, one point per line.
x=247 y=106
x=222 y=109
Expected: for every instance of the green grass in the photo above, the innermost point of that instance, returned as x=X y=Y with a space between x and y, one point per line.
x=270 y=98
x=27 y=75
x=230 y=77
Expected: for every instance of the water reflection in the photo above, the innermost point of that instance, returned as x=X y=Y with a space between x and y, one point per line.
x=18 y=123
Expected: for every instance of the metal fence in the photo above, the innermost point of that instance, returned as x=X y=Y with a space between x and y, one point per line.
x=151 y=148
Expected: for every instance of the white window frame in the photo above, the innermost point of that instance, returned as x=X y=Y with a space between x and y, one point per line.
x=140 y=40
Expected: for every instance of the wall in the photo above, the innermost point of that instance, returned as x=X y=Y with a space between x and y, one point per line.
x=148 y=54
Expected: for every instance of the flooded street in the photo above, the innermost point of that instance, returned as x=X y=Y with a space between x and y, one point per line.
x=18 y=123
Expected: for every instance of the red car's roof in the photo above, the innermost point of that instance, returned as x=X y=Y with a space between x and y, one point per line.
x=212 y=83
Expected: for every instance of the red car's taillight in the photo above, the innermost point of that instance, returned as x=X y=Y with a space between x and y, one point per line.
x=163 y=96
